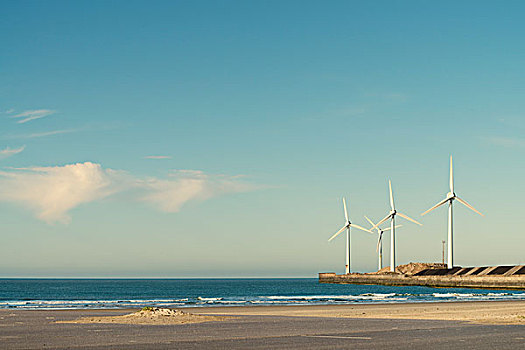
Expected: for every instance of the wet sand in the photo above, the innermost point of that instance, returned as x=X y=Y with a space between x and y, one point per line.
x=487 y=312
x=465 y=325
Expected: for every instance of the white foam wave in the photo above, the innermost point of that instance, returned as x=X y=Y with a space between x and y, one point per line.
x=334 y=297
x=93 y=303
x=452 y=295
x=259 y=300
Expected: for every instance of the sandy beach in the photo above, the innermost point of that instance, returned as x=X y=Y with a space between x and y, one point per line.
x=468 y=325
x=491 y=312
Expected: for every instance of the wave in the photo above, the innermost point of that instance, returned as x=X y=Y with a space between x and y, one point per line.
x=208 y=299
x=89 y=303
x=336 y=297
x=258 y=300
x=479 y=296
x=450 y=295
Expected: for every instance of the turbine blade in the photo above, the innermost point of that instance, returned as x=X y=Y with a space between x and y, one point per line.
x=409 y=219
x=338 y=232
x=462 y=201
x=391 y=195
x=370 y=221
x=346 y=211
x=435 y=206
x=360 y=228
x=380 y=222
x=451 y=176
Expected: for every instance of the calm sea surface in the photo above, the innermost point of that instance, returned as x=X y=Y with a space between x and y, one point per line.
x=135 y=293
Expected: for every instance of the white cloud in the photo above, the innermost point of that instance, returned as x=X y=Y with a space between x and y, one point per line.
x=40 y=134
x=9 y=111
x=32 y=115
x=157 y=157
x=8 y=152
x=49 y=133
x=189 y=185
x=51 y=192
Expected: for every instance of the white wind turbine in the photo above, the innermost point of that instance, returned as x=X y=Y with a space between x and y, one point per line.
x=379 y=248
x=347 y=226
x=450 y=199
x=392 y=216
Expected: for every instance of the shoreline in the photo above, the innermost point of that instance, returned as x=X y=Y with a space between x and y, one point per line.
x=491 y=312
x=266 y=305
x=288 y=301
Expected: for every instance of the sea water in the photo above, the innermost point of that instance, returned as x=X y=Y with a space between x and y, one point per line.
x=177 y=293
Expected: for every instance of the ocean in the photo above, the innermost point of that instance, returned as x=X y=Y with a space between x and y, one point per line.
x=179 y=293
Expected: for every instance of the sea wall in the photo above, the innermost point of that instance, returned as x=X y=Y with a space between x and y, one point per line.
x=484 y=281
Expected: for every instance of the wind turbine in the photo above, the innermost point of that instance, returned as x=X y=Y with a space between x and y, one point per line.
x=450 y=199
x=379 y=248
x=347 y=226
x=392 y=216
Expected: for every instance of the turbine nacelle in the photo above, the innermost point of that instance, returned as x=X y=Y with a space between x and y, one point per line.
x=451 y=196
x=348 y=224
x=393 y=212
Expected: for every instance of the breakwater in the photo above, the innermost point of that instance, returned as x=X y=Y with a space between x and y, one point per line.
x=487 y=277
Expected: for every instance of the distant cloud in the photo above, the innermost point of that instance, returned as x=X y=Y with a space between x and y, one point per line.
x=49 y=133
x=513 y=142
x=52 y=192
x=41 y=134
x=187 y=173
x=32 y=115
x=190 y=185
x=8 y=152
x=157 y=157
x=9 y=111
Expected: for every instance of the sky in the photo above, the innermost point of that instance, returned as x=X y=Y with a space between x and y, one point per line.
x=217 y=138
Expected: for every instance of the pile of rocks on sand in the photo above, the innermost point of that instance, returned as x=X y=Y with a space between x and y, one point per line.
x=410 y=269
x=151 y=315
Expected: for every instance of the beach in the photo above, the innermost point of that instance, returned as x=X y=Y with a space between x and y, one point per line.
x=493 y=312
x=465 y=325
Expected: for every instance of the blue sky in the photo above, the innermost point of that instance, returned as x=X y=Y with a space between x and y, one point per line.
x=206 y=138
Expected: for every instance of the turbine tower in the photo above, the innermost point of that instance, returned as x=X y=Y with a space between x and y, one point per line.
x=347 y=226
x=451 y=196
x=392 y=217
x=379 y=248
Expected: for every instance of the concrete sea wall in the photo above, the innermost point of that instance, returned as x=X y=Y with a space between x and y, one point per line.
x=482 y=280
